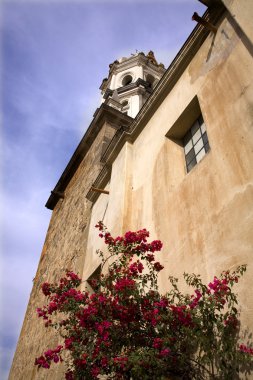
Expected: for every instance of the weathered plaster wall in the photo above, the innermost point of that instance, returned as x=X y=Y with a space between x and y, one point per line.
x=99 y=213
x=120 y=197
x=64 y=248
x=111 y=209
x=205 y=217
x=241 y=11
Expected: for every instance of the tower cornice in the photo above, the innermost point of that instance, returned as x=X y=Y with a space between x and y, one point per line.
x=139 y=59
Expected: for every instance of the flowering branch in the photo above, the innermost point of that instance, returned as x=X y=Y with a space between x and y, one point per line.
x=127 y=329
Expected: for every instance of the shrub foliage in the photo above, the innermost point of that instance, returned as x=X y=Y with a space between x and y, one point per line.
x=126 y=329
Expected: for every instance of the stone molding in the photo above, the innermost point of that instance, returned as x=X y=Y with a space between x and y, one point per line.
x=103 y=114
x=138 y=60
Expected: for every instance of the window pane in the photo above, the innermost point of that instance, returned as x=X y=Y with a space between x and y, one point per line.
x=198 y=146
x=188 y=147
x=203 y=128
x=189 y=157
x=200 y=155
x=196 y=136
x=191 y=165
x=195 y=143
x=195 y=127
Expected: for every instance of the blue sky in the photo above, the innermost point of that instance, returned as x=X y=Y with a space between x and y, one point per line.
x=54 y=55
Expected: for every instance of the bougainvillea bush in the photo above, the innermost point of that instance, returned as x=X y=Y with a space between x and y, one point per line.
x=126 y=329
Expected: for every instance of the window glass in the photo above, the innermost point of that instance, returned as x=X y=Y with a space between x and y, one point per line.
x=198 y=146
x=200 y=155
x=195 y=143
x=195 y=127
x=192 y=164
x=188 y=146
x=203 y=128
x=196 y=136
x=189 y=157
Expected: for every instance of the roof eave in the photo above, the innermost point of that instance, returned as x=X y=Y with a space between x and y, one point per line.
x=103 y=112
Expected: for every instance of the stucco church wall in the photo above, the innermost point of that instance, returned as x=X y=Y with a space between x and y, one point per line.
x=241 y=12
x=92 y=260
x=120 y=196
x=205 y=217
x=111 y=209
x=64 y=248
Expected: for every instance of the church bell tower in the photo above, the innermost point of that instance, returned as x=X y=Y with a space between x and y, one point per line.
x=130 y=82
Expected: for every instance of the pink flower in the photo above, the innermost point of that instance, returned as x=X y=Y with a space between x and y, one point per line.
x=195 y=300
x=135 y=268
x=46 y=289
x=42 y=362
x=140 y=267
x=156 y=245
x=109 y=239
x=182 y=315
x=68 y=343
x=102 y=299
x=150 y=257
x=136 y=237
x=104 y=362
x=158 y=267
x=121 y=361
x=52 y=307
x=157 y=343
x=41 y=313
x=163 y=303
x=73 y=276
x=95 y=371
x=101 y=327
x=165 y=352
x=124 y=283
x=69 y=375
x=245 y=349
x=100 y=225
x=231 y=321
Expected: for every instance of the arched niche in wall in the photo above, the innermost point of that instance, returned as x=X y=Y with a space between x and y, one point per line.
x=127 y=79
x=151 y=80
x=125 y=105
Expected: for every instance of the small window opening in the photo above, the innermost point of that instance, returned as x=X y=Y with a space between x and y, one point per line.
x=125 y=106
x=93 y=279
x=195 y=143
x=125 y=103
x=127 y=80
x=150 y=79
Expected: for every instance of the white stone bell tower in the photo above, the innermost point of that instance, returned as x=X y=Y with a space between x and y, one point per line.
x=131 y=81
